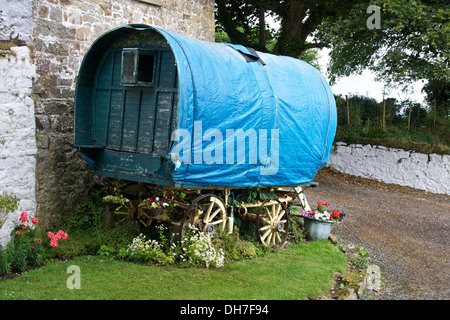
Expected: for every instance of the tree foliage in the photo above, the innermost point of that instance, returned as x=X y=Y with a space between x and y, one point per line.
x=412 y=42
x=408 y=125
x=438 y=97
x=244 y=22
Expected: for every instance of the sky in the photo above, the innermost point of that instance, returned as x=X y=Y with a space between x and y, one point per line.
x=365 y=84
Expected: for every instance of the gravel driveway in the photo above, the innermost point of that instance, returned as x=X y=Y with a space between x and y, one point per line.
x=404 y=230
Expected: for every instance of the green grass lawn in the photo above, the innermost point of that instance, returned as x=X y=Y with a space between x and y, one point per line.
x=300 y=272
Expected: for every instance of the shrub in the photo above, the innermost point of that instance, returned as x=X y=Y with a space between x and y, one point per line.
x=197 y=249
x=8 y=203
x=235 y=248
x=148 y=251
x=27 y=246
x=87 y=216
x=17 y=255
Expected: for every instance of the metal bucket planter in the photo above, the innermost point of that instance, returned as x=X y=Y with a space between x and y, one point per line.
x=317 y=229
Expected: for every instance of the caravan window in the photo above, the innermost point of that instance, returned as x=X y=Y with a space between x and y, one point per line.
x=138 y=67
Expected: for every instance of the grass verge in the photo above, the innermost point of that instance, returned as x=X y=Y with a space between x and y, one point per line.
x=303 y=271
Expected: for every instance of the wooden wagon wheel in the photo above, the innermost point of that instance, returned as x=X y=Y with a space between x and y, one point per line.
x=272 y=223
x=134 y=192
x=207 y=213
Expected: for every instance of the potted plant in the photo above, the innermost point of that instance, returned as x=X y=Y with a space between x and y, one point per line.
x=319 y=221
x=153 y=207
x=115 y=202
x=8 y=203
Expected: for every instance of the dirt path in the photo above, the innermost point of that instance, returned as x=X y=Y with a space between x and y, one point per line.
x=404 y=230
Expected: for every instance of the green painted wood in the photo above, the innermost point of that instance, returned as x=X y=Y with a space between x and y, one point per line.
x=116 y=69
x=83 y=120
x=126 y=129
x=102 y=102
x=106 y=70
x=168 y=70
x=146 y=122
x=114 y=129
x=130 y=124
x=162 y=123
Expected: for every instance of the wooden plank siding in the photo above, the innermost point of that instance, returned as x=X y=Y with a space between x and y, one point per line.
x=134 y=118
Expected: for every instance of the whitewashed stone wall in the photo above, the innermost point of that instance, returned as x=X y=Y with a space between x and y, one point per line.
x=17 y=134
x=16 y=13
x=396 y=166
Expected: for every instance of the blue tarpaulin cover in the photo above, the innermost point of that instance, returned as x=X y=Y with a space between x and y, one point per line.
x=245 y=118
x=285 y=102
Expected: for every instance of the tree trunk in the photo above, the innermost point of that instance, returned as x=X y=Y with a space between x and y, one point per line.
x=262 y=27
x=434 y=120
x=348 y=110
x=409 y=116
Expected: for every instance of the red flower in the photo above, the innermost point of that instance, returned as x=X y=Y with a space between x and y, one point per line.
x=34 y=220
x=327 y=204
x=335 y=214
x=23 y=217
x=55 y=237
x=320 y=203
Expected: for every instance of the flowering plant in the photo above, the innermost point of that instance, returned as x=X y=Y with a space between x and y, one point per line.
x=197 y=249
x=8 y=202
x=118 y=199
x=151 y=203
x=322 y=214
x=150 y=251
x=55 y=237
x=24 y=229
x=24 y=219
x=28 y=246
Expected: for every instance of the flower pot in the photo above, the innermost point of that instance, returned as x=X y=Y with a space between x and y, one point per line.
x=317 y=229
x=153 y=212
x=108 y=214
x=112 y=206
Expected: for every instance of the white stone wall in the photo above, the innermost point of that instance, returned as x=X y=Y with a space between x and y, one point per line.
x=396 y=166
x=17 y=134
x=17 y=17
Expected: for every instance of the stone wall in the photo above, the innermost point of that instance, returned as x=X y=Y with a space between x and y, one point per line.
x=396 y=166
x=17 y=133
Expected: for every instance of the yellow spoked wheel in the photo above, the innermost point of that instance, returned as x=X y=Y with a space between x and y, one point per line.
x=207 y=213
x=272 y=224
